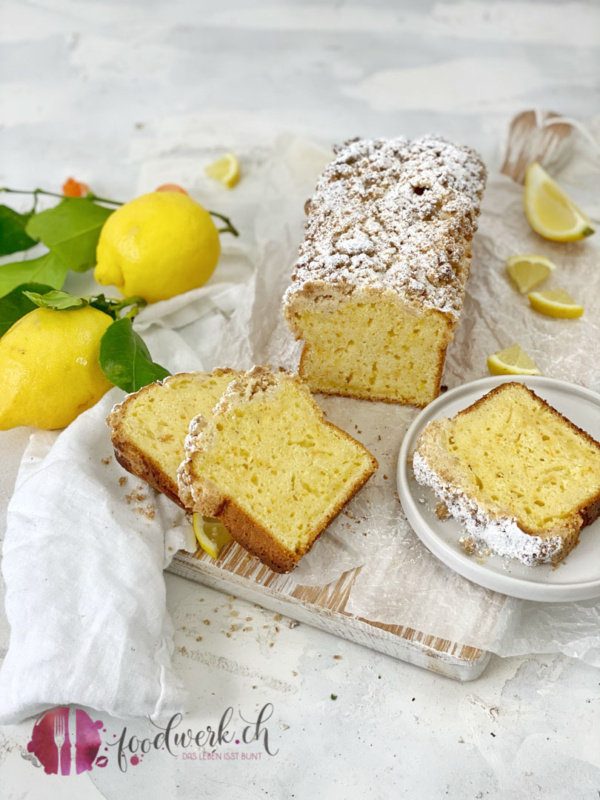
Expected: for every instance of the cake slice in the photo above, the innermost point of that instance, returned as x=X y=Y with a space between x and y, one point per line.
x=378 y=288
x=270 y=467
x=520 y=476
x=149 y=427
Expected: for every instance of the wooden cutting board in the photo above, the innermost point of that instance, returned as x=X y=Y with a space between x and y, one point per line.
x=237 y=572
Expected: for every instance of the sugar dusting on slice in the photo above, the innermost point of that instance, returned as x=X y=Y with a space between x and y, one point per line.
x=502 y=534
x=394 y=215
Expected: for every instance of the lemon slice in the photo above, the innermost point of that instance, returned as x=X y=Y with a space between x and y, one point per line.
x=551 y=212
x=555 y=303
x=527 y=271
x=226 y=170
x=512 y=361
x=211 y=534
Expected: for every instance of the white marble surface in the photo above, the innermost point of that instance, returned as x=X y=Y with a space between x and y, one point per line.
x=85 y=86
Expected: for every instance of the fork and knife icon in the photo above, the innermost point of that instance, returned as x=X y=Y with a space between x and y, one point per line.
x=65 y=726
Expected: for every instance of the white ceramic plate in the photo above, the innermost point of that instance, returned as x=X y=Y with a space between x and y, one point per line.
x=578 y=577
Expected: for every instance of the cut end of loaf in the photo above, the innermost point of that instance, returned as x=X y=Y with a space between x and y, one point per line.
x=371 y=346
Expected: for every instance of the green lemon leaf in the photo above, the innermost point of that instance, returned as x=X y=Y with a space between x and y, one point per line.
x=16 y=304
x=125 y=359
x=13 y=238
x=58 y=301
x=46 y=269
x=71 y=231
x=63 y=301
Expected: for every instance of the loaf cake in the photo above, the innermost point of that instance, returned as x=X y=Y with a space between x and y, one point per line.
x=270 y=467
x=378 y=287
x=519 y=476
x=149 y=427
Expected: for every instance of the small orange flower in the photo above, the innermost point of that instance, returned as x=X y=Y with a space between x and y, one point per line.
x=73 y=188
x=171 y=187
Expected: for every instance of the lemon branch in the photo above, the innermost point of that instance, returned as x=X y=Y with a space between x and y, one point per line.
x=37 y=192
x=229 y=226
x=136 y=303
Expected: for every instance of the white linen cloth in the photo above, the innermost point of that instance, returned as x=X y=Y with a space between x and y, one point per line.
x=85 y=589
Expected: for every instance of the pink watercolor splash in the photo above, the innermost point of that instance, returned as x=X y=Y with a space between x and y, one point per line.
x=84 y=737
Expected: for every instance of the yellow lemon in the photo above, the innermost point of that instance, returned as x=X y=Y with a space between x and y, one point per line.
x=211 y=534
x=49 y=370
x=226 y=170
x=512 y=360
x=550 y=211
x=555 y=303
x=158 y=245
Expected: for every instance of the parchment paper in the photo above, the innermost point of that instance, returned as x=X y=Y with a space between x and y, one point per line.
x=400 y=581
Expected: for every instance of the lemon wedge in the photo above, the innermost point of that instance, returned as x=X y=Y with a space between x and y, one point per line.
x=211 y=534
x=529 y=270
x=512 y=361
x=226 y=170
x=550 y=211
x=555 y=303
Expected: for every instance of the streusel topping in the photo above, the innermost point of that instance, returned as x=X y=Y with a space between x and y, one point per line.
x=394 y=214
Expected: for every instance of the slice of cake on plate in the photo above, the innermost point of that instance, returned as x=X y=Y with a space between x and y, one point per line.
x=378 y=287
x=519 y=476
x=149 y=427
x=269 y=465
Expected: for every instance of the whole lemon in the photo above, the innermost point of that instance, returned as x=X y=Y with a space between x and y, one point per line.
x=49 y=370
x=158 y=245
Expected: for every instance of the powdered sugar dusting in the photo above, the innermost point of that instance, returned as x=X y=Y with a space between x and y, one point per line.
x=501 y=534
x=394 y=215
